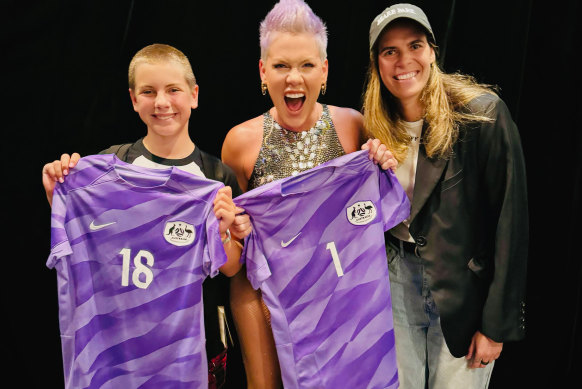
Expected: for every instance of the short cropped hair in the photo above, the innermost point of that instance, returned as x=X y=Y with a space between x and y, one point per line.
x=159 y=53
x=293 y=16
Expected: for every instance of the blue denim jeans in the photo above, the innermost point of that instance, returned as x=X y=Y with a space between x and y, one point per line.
x=424 y=360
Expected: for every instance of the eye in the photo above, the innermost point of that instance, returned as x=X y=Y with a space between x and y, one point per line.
x=388 y=52
x=279 y=66
x=146 y=92
x=308 y=65
x=174 y=90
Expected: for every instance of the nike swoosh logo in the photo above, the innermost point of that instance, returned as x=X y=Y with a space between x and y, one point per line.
x=95 y=227
x=285 y=244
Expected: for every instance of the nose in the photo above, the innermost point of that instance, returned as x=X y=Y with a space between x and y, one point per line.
x=404 y=58
x=294 y=76
x=162 y=101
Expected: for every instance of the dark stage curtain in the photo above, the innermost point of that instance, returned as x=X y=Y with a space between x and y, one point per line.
x=65 y=89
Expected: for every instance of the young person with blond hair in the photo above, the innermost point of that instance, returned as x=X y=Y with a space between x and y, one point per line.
x=163 y=91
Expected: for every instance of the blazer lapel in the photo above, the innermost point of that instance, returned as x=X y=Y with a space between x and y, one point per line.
x=428 y=174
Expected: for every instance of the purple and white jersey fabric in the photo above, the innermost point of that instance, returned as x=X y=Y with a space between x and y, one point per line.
x=131 y=247
x=317 y=253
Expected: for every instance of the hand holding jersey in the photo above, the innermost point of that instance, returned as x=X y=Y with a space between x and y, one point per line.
x=56 y=171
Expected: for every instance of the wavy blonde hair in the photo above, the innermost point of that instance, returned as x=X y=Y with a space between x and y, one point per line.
x=445 y=98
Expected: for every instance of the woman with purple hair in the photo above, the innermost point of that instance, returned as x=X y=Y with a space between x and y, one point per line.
x=293 y=69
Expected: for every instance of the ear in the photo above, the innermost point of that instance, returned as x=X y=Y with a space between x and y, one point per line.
x=325 y=68
x=194 y=97
x=262 y=70
x=133 y=99
x=432 y=55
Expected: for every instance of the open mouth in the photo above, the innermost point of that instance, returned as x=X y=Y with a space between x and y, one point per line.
x=405 y=76
x=294 y=101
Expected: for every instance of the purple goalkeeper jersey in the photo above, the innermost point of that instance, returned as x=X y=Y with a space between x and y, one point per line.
x=131 y=247
x=317 y=253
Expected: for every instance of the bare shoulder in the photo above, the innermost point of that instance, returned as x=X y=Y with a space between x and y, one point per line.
x=241 y=147
x=349 y=125
x=343 y=116
x=244 y=134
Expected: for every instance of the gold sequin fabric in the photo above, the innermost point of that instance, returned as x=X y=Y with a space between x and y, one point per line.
x=286 y=153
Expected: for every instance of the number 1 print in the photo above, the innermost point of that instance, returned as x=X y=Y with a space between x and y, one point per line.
x=336 y=262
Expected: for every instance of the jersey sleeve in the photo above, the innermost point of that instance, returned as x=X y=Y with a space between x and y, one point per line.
x=394 y=202
x=256 y=262
x=60 y=246
x=214 y=255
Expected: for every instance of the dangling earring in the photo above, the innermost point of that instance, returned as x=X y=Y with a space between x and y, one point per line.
x=263 y=88
x=323 y=87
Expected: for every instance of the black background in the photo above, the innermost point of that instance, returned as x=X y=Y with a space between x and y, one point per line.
x=65 y=89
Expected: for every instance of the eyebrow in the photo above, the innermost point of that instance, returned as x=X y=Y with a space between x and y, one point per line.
x=408 y=44
x=147 y=86
x=416 y=41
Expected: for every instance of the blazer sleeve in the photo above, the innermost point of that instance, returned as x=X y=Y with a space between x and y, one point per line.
x=503 y=170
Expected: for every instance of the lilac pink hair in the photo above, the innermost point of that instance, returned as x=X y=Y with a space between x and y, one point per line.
x=293 y=16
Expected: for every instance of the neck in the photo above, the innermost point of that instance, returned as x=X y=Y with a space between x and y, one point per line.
x=299 y=127
x=169 y=147
x=411 y=110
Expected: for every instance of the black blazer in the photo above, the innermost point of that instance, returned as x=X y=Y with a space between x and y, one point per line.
x=469 y=219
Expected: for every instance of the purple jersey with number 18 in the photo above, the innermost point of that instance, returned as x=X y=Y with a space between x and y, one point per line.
x=317 y=253
x=131 y=247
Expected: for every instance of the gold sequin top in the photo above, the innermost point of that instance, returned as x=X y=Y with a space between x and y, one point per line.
x=286 y=153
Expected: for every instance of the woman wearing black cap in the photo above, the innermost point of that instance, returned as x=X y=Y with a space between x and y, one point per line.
x=458 y=263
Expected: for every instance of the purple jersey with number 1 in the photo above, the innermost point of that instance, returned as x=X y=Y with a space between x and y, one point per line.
x=131 y=247
x=317 y=253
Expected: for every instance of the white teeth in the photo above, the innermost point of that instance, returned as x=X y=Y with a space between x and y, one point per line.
x=164 y=116
x=406 y=76
x=294 y=95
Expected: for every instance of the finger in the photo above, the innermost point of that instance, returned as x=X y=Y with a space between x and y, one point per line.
x=227 y=190
x=366 y=146
x=471 y=350
x=389 y=164
x=74 y=159
x=48 y=171
x=223 y=205
x=65 y=160
x=475 y=363
x=57 y=171
x=374 y=144
x=244 y=218
x=225 y=219
x=224 y=200
x=381 y=157
x=375 y=152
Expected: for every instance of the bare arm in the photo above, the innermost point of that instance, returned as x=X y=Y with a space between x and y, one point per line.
x=241 y=147
x=240 y=151
x=224 y=210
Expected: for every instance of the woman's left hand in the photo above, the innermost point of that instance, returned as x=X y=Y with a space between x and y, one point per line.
x=482 y=351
